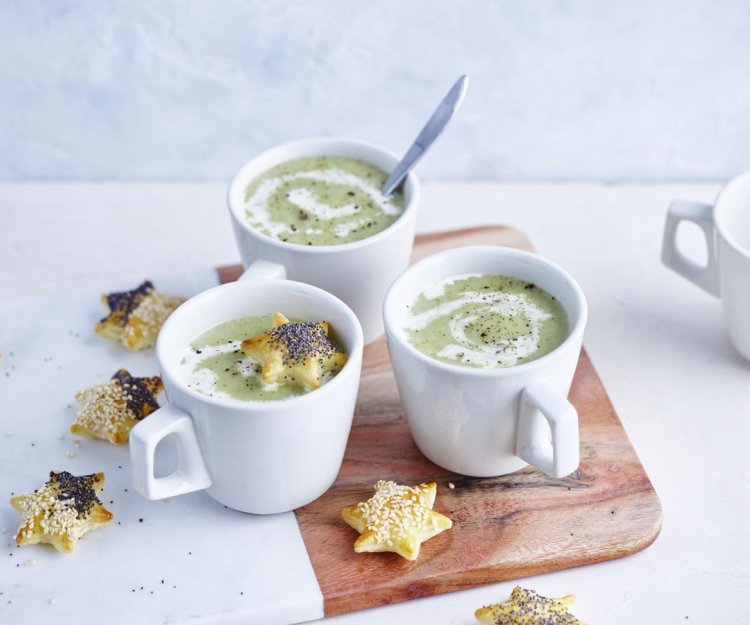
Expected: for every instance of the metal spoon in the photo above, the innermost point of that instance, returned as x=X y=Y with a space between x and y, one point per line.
x=431 y=131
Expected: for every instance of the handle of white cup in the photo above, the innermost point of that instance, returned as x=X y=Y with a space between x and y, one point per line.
x=702 y=215
x=263 y=269
x=558 y=456
x=191 y=473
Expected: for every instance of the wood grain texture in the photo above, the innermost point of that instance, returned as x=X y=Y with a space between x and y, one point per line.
x=508 y=527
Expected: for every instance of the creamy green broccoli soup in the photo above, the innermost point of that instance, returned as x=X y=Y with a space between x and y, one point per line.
x=485 y=321
x=215 y=365
x=321 y=200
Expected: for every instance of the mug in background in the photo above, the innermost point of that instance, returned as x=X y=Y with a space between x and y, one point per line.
x=255 y=456
x=489 y=422
x=360 y=272
x=726 y=226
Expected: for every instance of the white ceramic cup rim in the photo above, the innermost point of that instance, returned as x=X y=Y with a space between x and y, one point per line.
x=316 y=147
x=389 y=312
x=259 y=406
x=725 y=199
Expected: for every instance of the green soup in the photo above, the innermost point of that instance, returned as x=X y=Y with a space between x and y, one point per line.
x=486 y=321
x=321 y=200
x=215 y=365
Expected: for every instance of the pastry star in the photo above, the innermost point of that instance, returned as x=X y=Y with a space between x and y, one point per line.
x=135 y=317
x=62 y=511
x=396 y=518
x=110 y=410
x=295 y=353
x=527 y=607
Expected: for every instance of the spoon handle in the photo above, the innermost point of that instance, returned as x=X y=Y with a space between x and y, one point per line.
x=431 y=131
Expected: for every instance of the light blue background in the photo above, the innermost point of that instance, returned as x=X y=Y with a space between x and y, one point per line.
x=189 y=90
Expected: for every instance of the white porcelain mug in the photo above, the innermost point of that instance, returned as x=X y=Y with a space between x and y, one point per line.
x=255 y=456
x=359 y=273
x=489 y=422
x=726 y=226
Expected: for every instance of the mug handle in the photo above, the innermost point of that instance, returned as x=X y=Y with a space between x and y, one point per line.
x=263 y=269
x=191 y=473
x=702 y=215
x=560 y=456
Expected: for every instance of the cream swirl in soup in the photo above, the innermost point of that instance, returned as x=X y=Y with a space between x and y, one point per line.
x=321 y=200
x=485 y=321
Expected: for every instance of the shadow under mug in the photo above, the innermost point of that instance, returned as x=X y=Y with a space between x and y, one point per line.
x=726 y=226
x=262 y=457
x=360 y=272
x=489 y=422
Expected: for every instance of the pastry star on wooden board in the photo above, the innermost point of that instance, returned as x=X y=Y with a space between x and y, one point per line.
x=62 y=511
x=396 y=518
x=135 y=317
x=110 y=410
x=527 y=607
x=295 y=353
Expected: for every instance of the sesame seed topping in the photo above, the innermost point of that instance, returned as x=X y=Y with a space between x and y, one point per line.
x=110 y=408
x=103 y=407
x=138 y=392
x=395 y=511
x=60 y=506
x=154 y=309
x=136 y=316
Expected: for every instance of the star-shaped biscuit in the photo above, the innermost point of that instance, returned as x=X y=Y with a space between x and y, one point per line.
x=295 y=353
x=527 y=607
x=110 y=410
x=62 y=511
x=135 y=317
x=396 y=518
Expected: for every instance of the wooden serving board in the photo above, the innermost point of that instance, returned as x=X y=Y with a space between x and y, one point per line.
x=507 y=527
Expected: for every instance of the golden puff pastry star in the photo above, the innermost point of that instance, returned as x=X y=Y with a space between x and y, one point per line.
x=295 y=353
x=396 y=518
x=527 y=607
x=62 y=511
x=110 y=410
x=135 y=317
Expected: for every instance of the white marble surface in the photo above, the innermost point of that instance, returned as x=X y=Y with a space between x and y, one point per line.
x=182 y=560
x=658 y=343
x=563 y=89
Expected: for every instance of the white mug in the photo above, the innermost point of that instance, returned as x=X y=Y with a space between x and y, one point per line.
x=489 y=422
x=359 y=273
x=255 y=456
x=726 y=226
